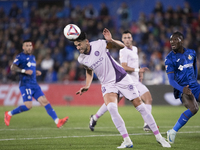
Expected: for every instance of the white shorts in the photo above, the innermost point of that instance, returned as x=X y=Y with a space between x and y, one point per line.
x=141 y=89
x=126 y=87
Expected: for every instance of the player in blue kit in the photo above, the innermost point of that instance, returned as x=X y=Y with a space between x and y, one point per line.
x=181 y=68
x=25 y=64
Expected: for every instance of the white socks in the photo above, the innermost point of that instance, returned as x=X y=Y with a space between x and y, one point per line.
x=10 y=113
x=148 y=107
x=148 y=118
x=56 y=120
x=117 y=119
x=100 y=112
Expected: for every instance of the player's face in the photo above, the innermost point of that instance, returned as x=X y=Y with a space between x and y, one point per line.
x=127 y=39
x=27 y=47
x=82 y=46
x=176 y=42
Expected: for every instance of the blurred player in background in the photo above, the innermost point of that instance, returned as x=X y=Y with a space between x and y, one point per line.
x=181 y=68
x=25 y=64
x=130 y=63
x=114 y=80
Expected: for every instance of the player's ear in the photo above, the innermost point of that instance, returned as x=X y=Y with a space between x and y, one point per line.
x=87 y=41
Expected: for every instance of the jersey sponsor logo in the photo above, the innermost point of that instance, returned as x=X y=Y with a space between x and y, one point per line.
x=29 y=64
x=189 y=57
x=96 y=53
x=185 y=66
x=178 y=60
x=180 y=68
x=96 y=64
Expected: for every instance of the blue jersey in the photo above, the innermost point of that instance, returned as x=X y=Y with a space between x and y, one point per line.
x=27 y=62
x=184 y=68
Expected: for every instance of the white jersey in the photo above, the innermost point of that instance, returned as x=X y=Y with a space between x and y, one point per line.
x=104 y=66
x=130 y=56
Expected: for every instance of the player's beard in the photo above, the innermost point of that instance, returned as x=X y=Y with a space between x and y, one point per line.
x=175 y=50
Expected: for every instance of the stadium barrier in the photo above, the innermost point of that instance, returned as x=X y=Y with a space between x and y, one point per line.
x=65 y=94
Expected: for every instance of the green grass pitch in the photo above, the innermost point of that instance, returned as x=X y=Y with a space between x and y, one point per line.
x=35 y=130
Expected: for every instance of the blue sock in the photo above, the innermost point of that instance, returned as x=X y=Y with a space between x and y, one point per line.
x=19 y=109
x=185 y=116
x=50 y=111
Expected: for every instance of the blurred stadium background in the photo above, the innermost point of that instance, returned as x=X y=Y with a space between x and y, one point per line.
x=42 y=21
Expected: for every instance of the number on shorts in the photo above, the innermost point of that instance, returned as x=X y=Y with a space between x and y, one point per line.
x=28 y=91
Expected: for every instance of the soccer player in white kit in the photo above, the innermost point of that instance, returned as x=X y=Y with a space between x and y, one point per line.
x=130 y=62
x=114 y=79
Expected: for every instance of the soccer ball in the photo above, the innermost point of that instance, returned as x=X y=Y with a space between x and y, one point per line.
x=72 y=31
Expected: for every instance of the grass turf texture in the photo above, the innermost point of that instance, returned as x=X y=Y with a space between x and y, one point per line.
x=35 y=130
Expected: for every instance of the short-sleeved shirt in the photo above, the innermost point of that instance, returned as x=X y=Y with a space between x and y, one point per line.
x=28 y=84
x=130 y=56
x=27 y=62
x=100 y=61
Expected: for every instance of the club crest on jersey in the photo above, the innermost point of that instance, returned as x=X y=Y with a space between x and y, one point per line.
x=103 y=89
x=130 y=87
x=96 y=53
x=189 y=57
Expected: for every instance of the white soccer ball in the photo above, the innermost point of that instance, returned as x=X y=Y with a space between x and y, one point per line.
x=72 y=31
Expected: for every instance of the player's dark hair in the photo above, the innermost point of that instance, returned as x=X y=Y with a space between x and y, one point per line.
x=81 y=37
x=126 y=31
x=179 y=34
x=28 y=40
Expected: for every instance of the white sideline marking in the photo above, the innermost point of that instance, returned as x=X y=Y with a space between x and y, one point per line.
x=59 y=137
x=163 y=127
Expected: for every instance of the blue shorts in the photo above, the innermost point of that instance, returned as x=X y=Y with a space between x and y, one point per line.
x=28 y=92
x=195 y=92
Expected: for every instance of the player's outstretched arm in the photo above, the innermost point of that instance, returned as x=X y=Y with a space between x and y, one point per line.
x=111 y=42
x=89 y=78
x=17 y=69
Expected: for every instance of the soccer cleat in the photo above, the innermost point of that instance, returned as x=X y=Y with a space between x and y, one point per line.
x=61 y=122
x=126 y=145
x=171 y=134
x=146 y=127
x=92 y=123
x=163 y=142
x=7 y=118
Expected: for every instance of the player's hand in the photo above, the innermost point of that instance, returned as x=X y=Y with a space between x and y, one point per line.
x=107 y=35
x=141 y=75
x=82 y=90
x=38 y=73
x=29 y=72
x=187 y=91
x=142 y=70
